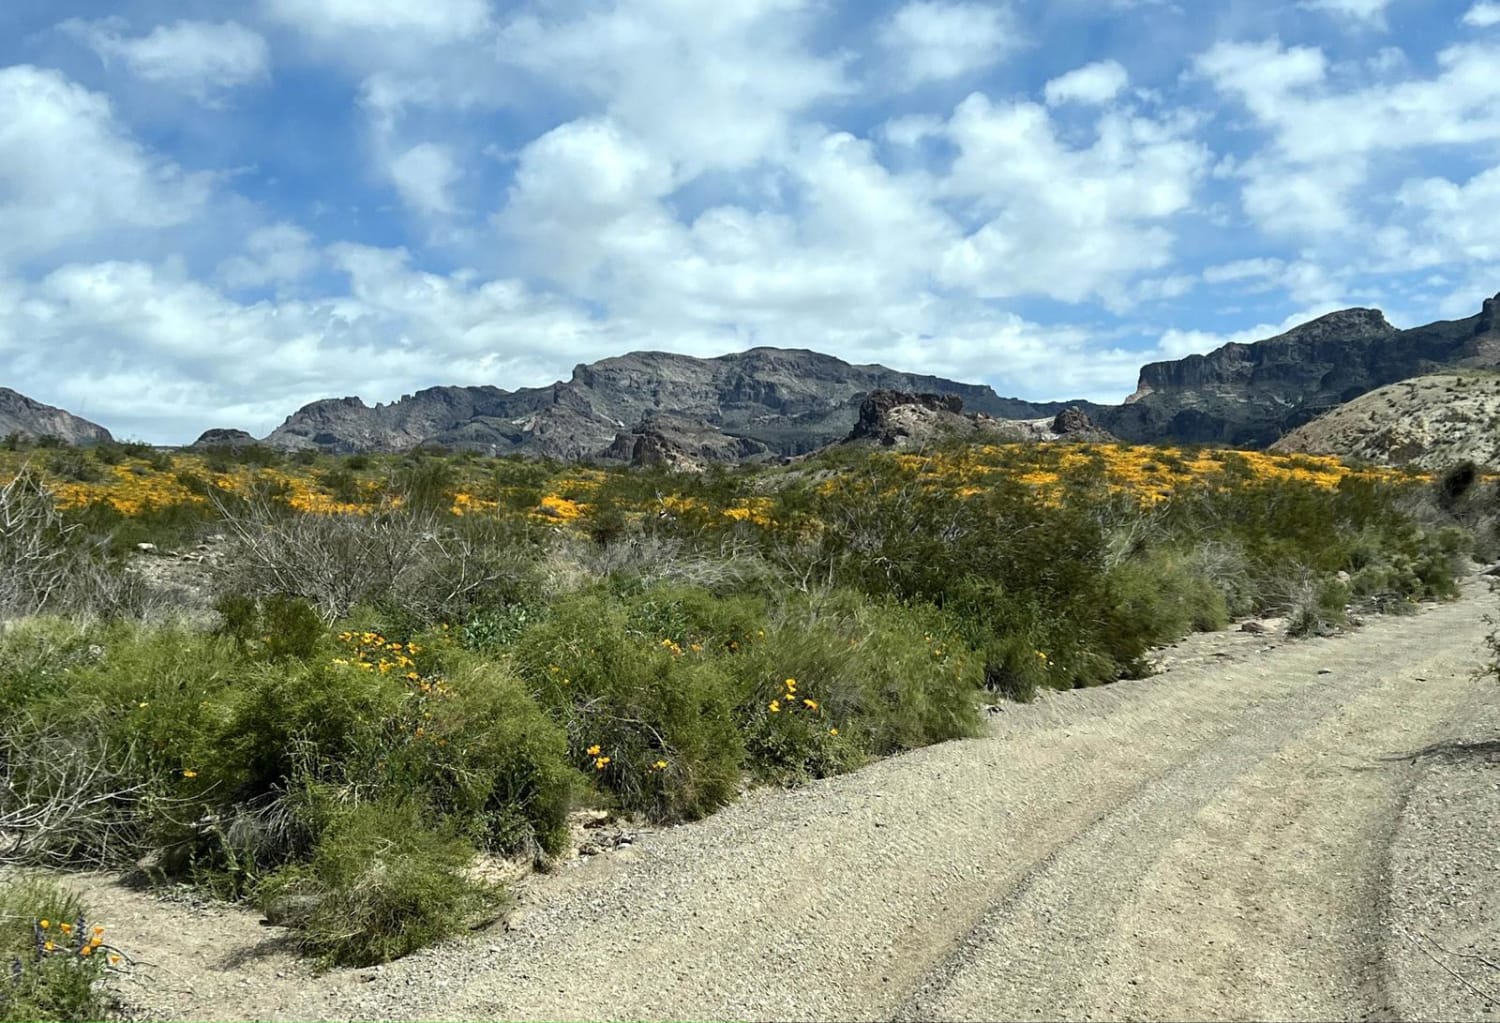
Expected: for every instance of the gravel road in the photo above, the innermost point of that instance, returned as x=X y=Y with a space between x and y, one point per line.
x=1258 y=832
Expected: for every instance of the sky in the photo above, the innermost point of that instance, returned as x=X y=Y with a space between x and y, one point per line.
x=212 y=213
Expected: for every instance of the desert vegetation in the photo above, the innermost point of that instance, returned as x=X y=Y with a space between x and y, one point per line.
x=389 y=667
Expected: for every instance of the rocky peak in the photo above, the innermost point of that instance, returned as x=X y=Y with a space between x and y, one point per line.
x=1489 y=317
x=30 y=418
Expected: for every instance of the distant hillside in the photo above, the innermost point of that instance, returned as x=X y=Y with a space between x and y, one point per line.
x=1433 y=421
x=30 y=418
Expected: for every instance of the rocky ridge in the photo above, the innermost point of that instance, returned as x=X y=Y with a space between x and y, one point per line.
x=764 y=402
x=30 y=418
x=767 y=403
x=1251 y=394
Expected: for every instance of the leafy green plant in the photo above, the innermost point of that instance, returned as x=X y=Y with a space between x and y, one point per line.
x=53 y=958
x=381 y=883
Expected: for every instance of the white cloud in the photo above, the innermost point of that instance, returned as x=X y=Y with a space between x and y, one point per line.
x=1485 y=14
x=1093 y=84
x=201 y=58
x=432 y=20
x=704 y=86
x=425 y=175
x=1365 y=12
x=279 y=254
x=1068 y=223
x=70 y=173
x=134 y=336
x=1458 y=220
x=1242 y=270
x=1310 y=179
x=933 y=40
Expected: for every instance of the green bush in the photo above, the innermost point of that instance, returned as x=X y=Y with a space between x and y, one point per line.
x=651 y=720
x=841 y=678
x=382 y=883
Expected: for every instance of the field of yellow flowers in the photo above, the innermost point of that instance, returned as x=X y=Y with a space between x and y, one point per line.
x=565 y=494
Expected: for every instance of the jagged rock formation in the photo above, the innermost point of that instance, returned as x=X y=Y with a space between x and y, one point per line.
x=903 y=420
x=1433 y=422
x=781 y=401
x=30 y=418
x=1251 y=394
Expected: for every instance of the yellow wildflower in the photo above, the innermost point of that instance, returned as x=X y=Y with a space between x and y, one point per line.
x=593 y=751
x=190 y=774
x=833 y=731
x=810 y=704
x=600 y=763
x=775 y=706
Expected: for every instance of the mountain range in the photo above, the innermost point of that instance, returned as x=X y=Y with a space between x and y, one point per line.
x=769 y=403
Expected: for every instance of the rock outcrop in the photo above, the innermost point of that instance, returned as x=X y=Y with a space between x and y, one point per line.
x=30 y=418
x=220 y=438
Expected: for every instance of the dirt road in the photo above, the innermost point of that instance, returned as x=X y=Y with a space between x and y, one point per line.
x=1214 y=842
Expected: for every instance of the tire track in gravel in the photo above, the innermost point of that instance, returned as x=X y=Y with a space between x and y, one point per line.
x=991 y=878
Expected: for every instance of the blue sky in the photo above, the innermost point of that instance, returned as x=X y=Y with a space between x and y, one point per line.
x=212 y=213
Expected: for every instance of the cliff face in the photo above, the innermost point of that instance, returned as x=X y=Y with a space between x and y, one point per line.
x=30 y=418
x=1251 y=394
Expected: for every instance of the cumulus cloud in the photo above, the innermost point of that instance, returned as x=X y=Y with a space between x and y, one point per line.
x=1094 y=83
x=1323 y=142
x=712 y=87
x=70 y=173
x=932 y=40
x=279 y=254
x=1063 y=221
x=1485 y=14
x=425 y=175
x=202 y=59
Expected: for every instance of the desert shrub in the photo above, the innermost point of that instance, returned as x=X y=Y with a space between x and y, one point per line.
x=53 y=959
x=341 y=484
x=37 y=550
x=1316 y=606
x=402 y=558
x=277 y=627
x=74 y=464
x=1455 y=484
x=839 y=678
x=426 y=483
x=1153 y=600
x=651 y=720
x=381 y=883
